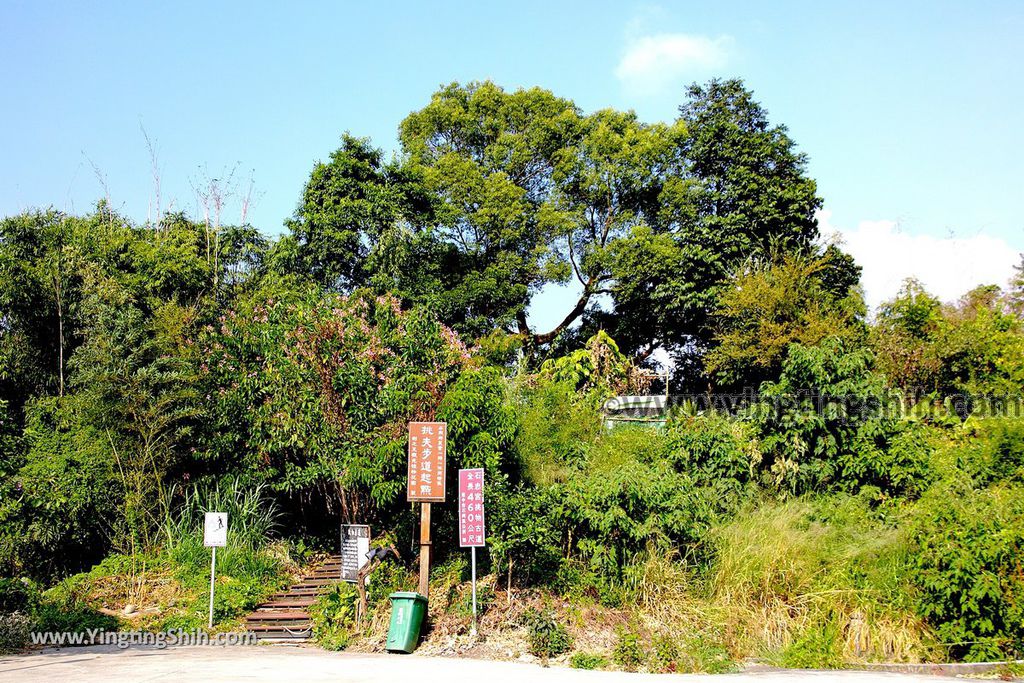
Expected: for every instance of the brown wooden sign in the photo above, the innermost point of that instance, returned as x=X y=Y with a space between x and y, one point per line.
x=428 y=445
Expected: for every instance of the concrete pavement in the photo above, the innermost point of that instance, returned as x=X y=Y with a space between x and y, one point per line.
x=279 y=664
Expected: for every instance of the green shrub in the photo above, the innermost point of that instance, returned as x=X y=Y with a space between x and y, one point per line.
x=311 y=390
x=389 y=577
x=547 y=637
x=701 y=654
x=481 y=423
x=629 y=497
x=588 y=660
x=66 y=613
x=1000 y=455
x=557 y=426
x=17 y=595
x=582 y=581
x=525 y=535
x=246 y=576
x=967 y=568
x=629 y=651
x=15 y=632
x=665 y=654
x=715 y=448
x=66 y=486
x=828 y=423
x=818 y=647
x=334 y=615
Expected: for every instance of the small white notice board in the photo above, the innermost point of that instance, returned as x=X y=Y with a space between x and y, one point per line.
x=215 y=530
x=355 y=544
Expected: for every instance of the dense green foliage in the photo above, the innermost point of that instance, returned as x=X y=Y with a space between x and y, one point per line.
x=859 y=495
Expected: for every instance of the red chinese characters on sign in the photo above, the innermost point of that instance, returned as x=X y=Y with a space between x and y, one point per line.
x=471 y=508
x=428 y=444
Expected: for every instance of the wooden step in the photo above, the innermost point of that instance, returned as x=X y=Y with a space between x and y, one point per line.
x=308 y=584
x=285 y=602
x=278 y=615
x=285 y=616
x=290 y=631
x=300 y=593
x=293 y=626
x=290 y=624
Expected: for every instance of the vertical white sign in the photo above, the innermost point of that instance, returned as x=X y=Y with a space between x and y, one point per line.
x=215 y=535
x=215 y=530
x=355 y=544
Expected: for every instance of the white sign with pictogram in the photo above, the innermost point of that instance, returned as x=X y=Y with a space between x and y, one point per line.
x=215 y=530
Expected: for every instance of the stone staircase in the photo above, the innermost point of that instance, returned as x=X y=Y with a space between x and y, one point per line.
x=285 y=616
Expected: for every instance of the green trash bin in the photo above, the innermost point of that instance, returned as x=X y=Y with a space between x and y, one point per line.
x=407 y=612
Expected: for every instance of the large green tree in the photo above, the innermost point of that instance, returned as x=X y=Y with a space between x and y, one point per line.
x=497 y=194
x=738 y=190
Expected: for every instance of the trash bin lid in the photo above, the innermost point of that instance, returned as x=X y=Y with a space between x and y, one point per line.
x=408 y=595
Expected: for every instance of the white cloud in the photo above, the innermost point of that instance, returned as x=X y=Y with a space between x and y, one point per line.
x=947 y=267
x=652 y=63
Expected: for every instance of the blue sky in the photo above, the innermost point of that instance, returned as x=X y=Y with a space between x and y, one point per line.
x=910 y=114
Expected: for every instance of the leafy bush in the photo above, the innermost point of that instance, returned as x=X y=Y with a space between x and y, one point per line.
x=598 y=367
x=588 y=660
x=1000 y=450
x=722 y=456
x=701 y=654
x=334 y=615
x=629 y=652
x=828 y=422
x=525 y=538
x=967 y=567
x=818 y=647
x=629 y=497
x=389 y=577
x=665 y=654
x=580 y=535
x=315 y=390
x=481 y=423
x=24 y=609
x=245 y=577
x=17 y=595
x=546 y=636
x=15 y=631
x=714 y=448
x=72 y=615
x=65 y=488
x=556 y=427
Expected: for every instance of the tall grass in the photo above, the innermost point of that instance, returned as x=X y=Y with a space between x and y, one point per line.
x=249 y=567
x=815 y=584
x=252 y=515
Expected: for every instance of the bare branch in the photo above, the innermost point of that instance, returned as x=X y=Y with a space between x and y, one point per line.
x=154 y=166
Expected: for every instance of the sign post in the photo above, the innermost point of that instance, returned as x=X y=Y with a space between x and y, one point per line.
x=471 y=520
x=428 y=446
x=215 y=534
